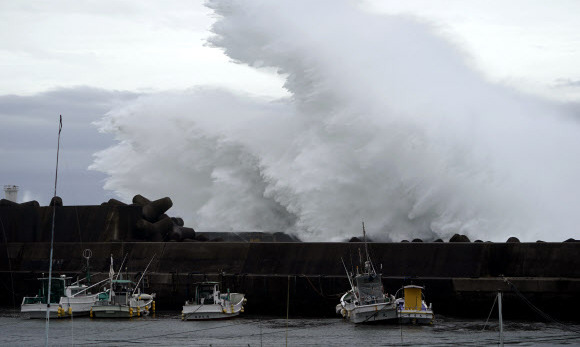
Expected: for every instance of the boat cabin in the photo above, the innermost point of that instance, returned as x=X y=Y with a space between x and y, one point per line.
x=71 y=291
x=413 y=298
x=369 y=289
x=122 y=291
x=206 y=293
x=57 y=290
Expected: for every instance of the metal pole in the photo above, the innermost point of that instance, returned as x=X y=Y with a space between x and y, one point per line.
x=52 y=236
x=499 y=296
x=287 y=309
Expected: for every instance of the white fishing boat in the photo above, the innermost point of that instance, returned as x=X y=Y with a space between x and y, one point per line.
x=36 y=306
x=67 y=298
x=209 y=303
x=123 y=301
x=77 y=301
x=123 y=298
x=366 y=301
x=412 y=308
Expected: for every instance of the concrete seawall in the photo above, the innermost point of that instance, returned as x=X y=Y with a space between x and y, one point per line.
x=460 y=278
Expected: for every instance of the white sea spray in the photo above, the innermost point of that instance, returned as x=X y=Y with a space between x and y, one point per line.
x=386 y=122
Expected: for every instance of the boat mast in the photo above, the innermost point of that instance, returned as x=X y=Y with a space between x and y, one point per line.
x=143 y=274
x=111 y=274
x=365 y=240
x=348 y=275
x=372 y=267
x=87 y=254
x=52 y=235
x=121 y=267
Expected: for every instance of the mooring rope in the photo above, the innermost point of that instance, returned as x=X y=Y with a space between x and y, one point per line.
x=538 y=311
x=319 y=292
x=490 y=311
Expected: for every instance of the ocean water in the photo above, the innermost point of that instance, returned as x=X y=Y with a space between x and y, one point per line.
x=167 y=329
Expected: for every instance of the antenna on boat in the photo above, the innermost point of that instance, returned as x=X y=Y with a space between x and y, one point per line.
x=365 y=240
x=143 y=274
x=87 y=254
x=359 y=260
x=347 y=275
x=371 y=266
x=52 y=236
x=111 y=274
x=121 y=267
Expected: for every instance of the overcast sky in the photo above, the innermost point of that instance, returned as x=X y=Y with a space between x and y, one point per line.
x=80 y=58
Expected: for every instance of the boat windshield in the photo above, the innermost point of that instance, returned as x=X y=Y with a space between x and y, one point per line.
x=123 y=286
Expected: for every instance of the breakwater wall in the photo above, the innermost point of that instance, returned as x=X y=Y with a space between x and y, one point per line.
x=143 y=220
x=460 y=278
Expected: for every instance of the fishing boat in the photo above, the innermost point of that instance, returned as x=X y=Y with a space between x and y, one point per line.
x=36 y=306
x=411 y=307
x=366 y=301
x=123 y=298
x=66 y=299
x=209 y=303
x=123 y=301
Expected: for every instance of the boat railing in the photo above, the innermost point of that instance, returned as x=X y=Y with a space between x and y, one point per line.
x=374 y=300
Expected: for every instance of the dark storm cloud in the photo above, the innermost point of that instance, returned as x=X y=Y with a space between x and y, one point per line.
x=28 y=140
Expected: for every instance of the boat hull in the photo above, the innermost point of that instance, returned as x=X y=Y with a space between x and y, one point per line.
x=38 y=311
x=79 y=305
x=370 y=313
x=137 y=308
x=206 y=312
x=213 y=311
x=415 y=317
x=117 y=311
x=112 y=311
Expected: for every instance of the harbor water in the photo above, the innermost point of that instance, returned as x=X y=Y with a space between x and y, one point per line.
x=167 y=329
